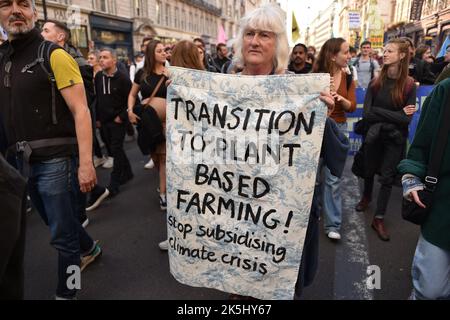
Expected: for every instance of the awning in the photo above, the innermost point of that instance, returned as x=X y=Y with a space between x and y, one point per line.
x=432 y=32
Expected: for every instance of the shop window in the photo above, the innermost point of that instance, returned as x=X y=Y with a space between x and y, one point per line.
x=108 y=37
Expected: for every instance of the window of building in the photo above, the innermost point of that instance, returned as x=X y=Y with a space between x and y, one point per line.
x=190 y=21
x=183 y=19
x=167 y=15
x=112 y=7
x=176 y=18
x=202 y=24
x=140 y=8
x=101 y=5
x=196 y=23
x=158 y=12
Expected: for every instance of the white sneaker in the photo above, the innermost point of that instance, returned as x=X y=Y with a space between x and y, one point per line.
x=96 y=199
x=334 y=235
x=149 y=165
x=99 y=161
x=163 y=202
x=164 y=245
x=85 y=223
x=108 y=163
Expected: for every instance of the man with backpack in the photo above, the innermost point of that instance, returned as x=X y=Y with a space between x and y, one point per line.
x=58 y=33
x=366 y=67
x=48 y=128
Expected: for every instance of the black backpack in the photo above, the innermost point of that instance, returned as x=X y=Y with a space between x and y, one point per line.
x=149 y=128
x=372 y=66
x=43 y=59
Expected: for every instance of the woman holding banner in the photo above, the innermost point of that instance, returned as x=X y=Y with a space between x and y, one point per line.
x=262 y=48
x=333 y=58
x=150 y=81
x=388 y=108
x=185 y=55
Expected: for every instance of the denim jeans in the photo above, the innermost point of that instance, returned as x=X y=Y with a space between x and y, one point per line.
x=430 y=272
x=54 y=190
x=332 y=198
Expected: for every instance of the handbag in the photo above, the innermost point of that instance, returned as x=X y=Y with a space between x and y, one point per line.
x=358 y=162
x=410 y=210
x=149 y=128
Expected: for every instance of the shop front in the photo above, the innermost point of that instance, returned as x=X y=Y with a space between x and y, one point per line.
x=112 y=33
x=76 y=20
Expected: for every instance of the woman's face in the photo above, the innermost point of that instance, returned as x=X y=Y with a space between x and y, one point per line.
x=391 y=54
x=259 y=47
x=427 y=56
x=342 y=58
x=160 y=54
x=92 y=60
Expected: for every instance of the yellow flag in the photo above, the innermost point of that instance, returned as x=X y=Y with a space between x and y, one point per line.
x=295 y=29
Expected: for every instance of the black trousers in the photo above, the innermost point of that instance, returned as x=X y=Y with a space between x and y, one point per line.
x=114 y=135
x=391 y=155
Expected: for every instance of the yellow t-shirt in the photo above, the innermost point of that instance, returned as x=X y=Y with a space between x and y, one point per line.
x=65 y=69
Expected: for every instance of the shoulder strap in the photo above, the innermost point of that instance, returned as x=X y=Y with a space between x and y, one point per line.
x=437 y=154
x=349 y=79
x=44 y=51
x=372 y=68
x=155 y=90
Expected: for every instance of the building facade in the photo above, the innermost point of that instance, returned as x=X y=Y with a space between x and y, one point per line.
x=376 y=15
x=122 y=24
x=424 y=21
x=349 y=21
x=322 y=27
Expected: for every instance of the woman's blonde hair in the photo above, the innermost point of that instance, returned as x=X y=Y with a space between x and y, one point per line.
x=268 y=18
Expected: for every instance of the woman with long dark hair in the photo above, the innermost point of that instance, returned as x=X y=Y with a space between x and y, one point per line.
x=145 y=82
x=185 y=54
x=333 y=59
x=388 y=108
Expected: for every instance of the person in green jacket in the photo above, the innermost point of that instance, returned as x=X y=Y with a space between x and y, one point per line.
x=431 y=264
x=446 y=71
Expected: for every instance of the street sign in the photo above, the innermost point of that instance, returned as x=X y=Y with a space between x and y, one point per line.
x=354 y=20
x=416 y=10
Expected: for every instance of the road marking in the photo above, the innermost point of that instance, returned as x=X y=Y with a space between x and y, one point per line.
x=352 y=257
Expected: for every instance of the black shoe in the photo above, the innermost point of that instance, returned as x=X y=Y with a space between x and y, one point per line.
x=125 y=178
x=97 y=198
x=113 y=191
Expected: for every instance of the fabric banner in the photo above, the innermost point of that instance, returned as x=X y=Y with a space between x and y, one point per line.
x=242 y=155
x=356 y=140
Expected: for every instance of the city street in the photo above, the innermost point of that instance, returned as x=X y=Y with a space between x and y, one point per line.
x=130 y=226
